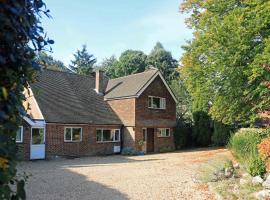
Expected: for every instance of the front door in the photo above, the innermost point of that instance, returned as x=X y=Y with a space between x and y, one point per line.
x=37 y=143
x=150 y=140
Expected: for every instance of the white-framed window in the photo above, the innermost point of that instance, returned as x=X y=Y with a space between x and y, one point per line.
x=108 y=135
x=163 y=132
x=156 y=102
x=19 y=135
x=73 y=134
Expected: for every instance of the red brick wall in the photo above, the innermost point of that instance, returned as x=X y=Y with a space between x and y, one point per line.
x=55 y=144
x=125 y=110
x=159 y=142
x=23 y=149
x=134 y=112
x=147 y=117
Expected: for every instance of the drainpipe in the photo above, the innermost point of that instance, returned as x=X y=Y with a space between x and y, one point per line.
x=122 y=138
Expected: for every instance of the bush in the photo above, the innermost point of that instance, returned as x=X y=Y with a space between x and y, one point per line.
x=256 y=165
x=202 y=131
x=182 y=134
x=128 y=151
x=264 y=148
x=244 y=146
x=221 y=134
x=166 y=149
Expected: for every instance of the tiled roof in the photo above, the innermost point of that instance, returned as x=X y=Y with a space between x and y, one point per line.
x=128 y=86
x=69 y=98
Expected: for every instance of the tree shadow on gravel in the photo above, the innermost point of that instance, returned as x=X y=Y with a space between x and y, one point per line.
x=65 y=184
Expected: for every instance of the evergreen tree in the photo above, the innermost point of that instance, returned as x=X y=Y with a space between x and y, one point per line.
x=83 y=62
x=162 y=60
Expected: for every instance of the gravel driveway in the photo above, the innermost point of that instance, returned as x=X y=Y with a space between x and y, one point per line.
x=157 y=176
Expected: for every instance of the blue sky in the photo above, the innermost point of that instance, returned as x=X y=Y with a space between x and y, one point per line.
x=109 y=27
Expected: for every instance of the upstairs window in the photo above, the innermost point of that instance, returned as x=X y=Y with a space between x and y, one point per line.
x=73 y=134
x=108 y=135
x=156 y=102
x=19 y=135
x=163 y=132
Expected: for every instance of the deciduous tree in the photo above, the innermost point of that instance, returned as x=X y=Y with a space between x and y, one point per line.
x=226 y=59
x=48 y=62
x=21 y=37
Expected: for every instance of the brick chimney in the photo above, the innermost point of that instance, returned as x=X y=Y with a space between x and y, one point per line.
x=100 y=82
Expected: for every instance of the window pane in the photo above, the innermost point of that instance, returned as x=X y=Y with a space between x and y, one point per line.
x=68 y=134
x=167 y=132
x=107 y=135
x=150 y=102
x=76 y=134
x=37 y=135
x=99 y=132
x=156 y=102
x=117 y=135
x=163 y=132
x=19 y=135
x=163 y=103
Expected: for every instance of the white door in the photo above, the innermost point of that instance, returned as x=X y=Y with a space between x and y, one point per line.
x=37 y=143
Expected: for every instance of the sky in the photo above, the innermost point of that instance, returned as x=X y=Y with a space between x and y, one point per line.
x=110 y=27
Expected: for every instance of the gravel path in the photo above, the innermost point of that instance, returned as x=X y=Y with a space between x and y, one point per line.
x=157 y=176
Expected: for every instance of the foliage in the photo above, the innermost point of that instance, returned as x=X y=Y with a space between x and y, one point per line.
x=264 y=148
x=49 y=62
x=221 y=134
x=244 y=146
x=128 y=151
x=183 y=104
x=83 y=62
x=228 y=58
x=166 y=149
x=202 y=131
x=256 y=165
x=109 y=66
x=133 y=61
x=162 y=60
x=182 y=134
x=130 y=62
x=21 y=36
x=214 y=170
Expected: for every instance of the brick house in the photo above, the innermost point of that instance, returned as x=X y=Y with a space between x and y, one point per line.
x=76 y=115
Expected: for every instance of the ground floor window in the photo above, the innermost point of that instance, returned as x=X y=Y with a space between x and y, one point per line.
x=108 y=135
x=163 y=132
x=73 y=134
x=19 y=134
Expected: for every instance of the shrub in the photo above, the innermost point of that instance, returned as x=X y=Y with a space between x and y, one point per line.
x=264 y=148
x=202 y=131
x=256 y=165
x=244 y=146
x=221 y=134
x=182 y=134
x=166 y=149
x=128 y=151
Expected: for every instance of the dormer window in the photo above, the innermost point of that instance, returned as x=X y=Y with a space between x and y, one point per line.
x=156 y=102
